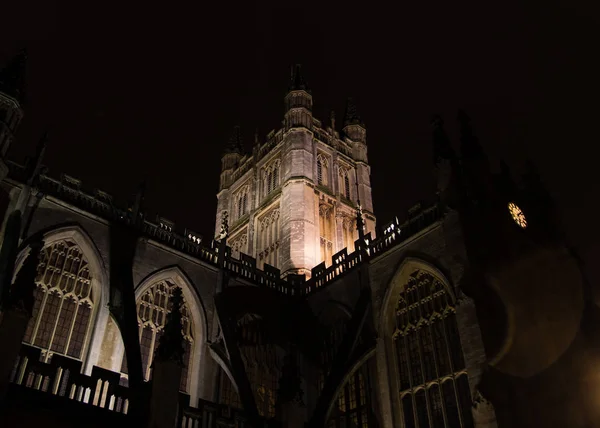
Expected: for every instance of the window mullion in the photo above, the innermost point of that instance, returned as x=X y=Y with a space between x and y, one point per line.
x=72 y=326
x=50 y=342
x=40 y=314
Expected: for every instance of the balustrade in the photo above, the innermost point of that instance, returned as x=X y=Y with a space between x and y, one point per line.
x=62 y=377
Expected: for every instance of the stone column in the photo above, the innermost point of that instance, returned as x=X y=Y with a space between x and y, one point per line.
x=291 y=408
x=16 y=314
x=167 y=366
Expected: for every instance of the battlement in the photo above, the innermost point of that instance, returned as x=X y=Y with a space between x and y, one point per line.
x=100 y=203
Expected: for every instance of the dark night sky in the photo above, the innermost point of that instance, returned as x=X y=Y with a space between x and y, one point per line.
x=152 y=91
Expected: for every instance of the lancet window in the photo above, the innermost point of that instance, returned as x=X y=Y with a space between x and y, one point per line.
x=152 y=309
x=434 y=389
x=268 y=238
x=271 y=177
x=242 y=202
x=344 y=182
x=327 y=232
x=322 y=170
x=348 y=232
x=64 y=302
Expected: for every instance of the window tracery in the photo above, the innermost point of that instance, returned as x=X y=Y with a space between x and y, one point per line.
x=262 y=365
x=322 y=170
x=268 y=238
x=271 y=177
x=327 y=232
x=241 y=200
x=239 y=244
x=348 y=231
x=434 y=388
x=152 y=309
x=344 y=182
x=64 y=302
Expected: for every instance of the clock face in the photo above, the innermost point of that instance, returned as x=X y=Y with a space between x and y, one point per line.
x=517 y=215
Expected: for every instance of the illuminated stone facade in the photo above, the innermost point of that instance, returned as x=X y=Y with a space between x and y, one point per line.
x=292 y=201
x=437 y=321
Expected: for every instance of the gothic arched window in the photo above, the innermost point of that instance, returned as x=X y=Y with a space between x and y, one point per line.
x=322 y=170
x=327 y=232
x=152 y=310
x=434 y=388
x=271 y=177
x=242 y=202
x=344 y=183
x=64 y=302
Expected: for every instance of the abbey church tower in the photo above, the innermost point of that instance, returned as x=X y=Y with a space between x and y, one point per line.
x=292 y=202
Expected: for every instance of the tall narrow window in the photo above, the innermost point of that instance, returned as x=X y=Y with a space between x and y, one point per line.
x=326 y=230
x=268 y=239
x=319 y=171
x=432 y=375
x=242 y=202
x=63 y=304
x=275 y=175
x=152 y=310
x=347 y=186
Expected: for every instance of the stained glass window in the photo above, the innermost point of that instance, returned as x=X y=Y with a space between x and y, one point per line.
x=152 y=309
x=431 y=368
x=63 y=304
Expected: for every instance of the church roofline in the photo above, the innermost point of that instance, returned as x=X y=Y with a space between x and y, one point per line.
x=394 y=233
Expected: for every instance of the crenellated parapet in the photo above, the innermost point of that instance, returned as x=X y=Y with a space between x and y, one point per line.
x=164 y=231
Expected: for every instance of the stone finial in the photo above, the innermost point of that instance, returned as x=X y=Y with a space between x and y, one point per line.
x=332 y=118
x=235 y=144
x=483 y=410
x=21 y=297
x=224 y=232
x=170 y=347
x=351 y=116
x=297 y=82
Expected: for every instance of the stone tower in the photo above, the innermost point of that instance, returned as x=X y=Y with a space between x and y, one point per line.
x=11 y=97
x=292 y=202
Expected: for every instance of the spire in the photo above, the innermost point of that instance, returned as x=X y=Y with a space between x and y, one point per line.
x=442 y=149
x=297 y=82
x=351 y=116
x=235 y=142
x=470 y=147
x=12 y=76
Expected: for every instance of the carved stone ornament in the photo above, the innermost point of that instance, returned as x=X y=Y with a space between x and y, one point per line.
x=483 y=410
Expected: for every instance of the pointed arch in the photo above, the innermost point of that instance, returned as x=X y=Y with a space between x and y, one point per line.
x=77 y=238
x=198 y=325
x=398 y=282
x=422 y=366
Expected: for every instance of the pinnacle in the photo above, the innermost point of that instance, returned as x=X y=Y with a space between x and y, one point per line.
x=12 y=76
x=297 y=82
x=235 y=142
x=351 y=116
